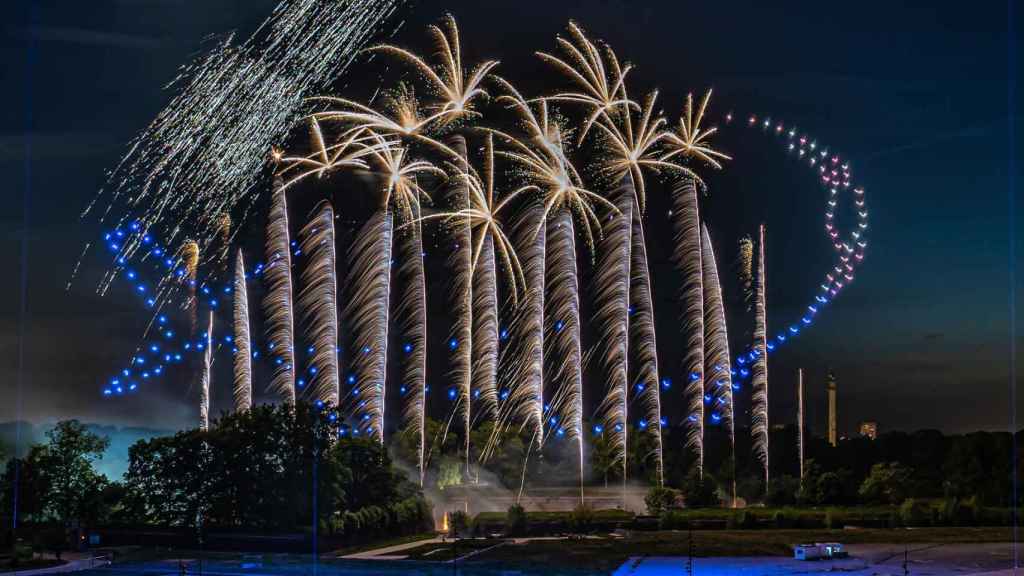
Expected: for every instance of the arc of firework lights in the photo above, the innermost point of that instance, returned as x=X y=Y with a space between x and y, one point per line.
x=835 y=176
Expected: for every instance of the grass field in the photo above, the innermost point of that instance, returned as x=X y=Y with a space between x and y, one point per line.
x=606 y=554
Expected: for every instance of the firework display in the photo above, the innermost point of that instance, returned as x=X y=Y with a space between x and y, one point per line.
x=241 y=339
x=523 y=208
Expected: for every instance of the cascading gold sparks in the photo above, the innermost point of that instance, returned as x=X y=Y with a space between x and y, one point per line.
x=277 y=303
x=563 y=350
x=189 y=257
x=645 y=347
x=412 y=322
x=717 y=362
x=759 y=371
x=318 y=301
x=205 y=376
x=461 y=339
x=455 y=89
x=488 y=242
x=368 y=307
x=634 y=149
x=745 y=264
x=612 y=283
x=242 y=362
x=691 y=140
x=689 y=261
x=691 y=143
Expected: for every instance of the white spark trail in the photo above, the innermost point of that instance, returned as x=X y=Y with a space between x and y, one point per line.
x=203 y=155
x=612 y=305
x=717 y=363
x=460 y=262
x=689 y=261
x=204 y=379
x=242 y=339
x=485 y=331
x=644 y=344
x=563 y=354
x=318 y=301
x=522 y=361
x=759 y=371
x=277 y=304
x=367 y=310
x=412 y=314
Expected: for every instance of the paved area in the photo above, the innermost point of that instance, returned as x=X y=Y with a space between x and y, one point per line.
x=389 y=552
x=75 y=563
x=865 y=560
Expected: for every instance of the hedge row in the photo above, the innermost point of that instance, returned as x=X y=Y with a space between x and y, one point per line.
x=409 y=516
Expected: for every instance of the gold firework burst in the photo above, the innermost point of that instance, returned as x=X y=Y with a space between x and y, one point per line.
x=449 y=81
x=691 y=141
x=599 y=77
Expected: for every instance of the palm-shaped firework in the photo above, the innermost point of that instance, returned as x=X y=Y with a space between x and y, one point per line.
x=629 y=146
x=369 y=305
x=456 y=90
x=691 y=143
x=552 y=325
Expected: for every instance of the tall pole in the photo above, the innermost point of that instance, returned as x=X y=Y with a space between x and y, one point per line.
x=800 y=418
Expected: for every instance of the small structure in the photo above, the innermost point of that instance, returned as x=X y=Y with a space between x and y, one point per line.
x=819 y=551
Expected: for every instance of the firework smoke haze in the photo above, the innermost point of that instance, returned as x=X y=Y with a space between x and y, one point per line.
x=242 y=339
x=232 y=105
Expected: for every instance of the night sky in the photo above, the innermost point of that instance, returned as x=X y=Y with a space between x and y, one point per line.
x=915 y=94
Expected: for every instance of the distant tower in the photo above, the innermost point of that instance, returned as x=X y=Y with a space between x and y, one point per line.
x=830 y=387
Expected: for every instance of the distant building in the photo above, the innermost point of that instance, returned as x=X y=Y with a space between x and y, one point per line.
x=830 y=387
x=869 y=429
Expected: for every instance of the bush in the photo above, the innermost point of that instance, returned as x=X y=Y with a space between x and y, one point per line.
x=516 y=522
x=833 y=519
x=673 y=520
x=699 y=491
x=781 y=520
x=745 y=519
x=661 y=499
x=886 y=484
x=458 y=523
x=581 y=519
x=914 y=513
x=782 y=491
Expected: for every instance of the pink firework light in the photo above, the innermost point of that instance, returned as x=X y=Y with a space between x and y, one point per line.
x=834 y=174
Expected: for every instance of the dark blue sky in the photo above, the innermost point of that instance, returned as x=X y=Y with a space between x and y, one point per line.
x=915 y=93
